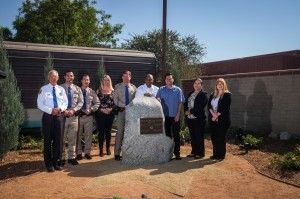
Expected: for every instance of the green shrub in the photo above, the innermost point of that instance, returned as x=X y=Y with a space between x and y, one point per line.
x=252 y=142
x=289 y=161
x=27 y=142
x=185 y=136
x=12 y=113
x=95 y=139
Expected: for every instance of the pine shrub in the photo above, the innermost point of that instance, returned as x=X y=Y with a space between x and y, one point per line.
x=12 y=113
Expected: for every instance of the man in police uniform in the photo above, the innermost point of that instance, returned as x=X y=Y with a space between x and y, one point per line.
x=52 y=100
x=91 y=104
x=75 y=103
x=123 y=95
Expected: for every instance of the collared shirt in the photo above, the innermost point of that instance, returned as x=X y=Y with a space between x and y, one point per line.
x=119 y=94
x=45 y=98
x=191 y=103
x=92 y=100
x=214 y=103
x=141 y=90
x=170 y=99
x=77 y=97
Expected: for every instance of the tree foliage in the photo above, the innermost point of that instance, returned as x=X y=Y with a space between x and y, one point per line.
x=12 y=112
x=48 y=67
x=65 y=22
x=183 y=51
x=100 y=72
x=7 y=34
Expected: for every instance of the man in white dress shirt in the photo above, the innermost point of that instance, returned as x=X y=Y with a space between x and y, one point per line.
x=52 y=100
x=147 y=89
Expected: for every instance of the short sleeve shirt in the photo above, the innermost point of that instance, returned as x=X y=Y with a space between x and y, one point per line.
x=170 y=99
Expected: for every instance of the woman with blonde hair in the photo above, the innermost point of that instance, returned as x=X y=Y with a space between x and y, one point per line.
x=105 y=114
x=219 y=118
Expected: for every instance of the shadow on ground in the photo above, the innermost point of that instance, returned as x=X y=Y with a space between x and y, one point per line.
x=20 y=169
x=110 y=166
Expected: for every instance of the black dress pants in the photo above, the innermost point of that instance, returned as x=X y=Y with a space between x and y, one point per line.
x=218 y=138
x=196 y=129
x=51 y=129
x=172 y=130
x=104 y=124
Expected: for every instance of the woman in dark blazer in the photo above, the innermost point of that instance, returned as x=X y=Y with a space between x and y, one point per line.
x=196 y=119
x=219 y=118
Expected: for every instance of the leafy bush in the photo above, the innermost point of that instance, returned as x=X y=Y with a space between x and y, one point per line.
x=235 y=133
x=251 y=142
x=27 y=142
x=95 y=139
x=289 y=161
x=117 y=197
x=185 y=136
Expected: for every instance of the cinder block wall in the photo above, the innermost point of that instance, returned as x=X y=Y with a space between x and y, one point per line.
x=261 y=103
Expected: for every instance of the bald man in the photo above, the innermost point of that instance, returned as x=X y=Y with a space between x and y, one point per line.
x=147 y=89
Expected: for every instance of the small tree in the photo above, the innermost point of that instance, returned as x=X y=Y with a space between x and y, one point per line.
x=48 y=67
x=12 y=113
x=100 y=73
x=7 y=34
x=183 y=55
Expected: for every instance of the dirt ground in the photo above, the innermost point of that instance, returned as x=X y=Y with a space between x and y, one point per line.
x=106 y=178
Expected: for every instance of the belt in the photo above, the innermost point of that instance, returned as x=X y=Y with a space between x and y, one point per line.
x=121 y=109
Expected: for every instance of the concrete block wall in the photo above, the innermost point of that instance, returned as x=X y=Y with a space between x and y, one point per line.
x=263 y=104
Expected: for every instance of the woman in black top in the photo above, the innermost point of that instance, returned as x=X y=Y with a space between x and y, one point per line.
x=105 y=115
x=219 y=118
x=196 y=119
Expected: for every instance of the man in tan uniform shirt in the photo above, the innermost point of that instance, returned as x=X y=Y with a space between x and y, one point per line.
x=91 y=104
x=123 y=95
x=75 y=102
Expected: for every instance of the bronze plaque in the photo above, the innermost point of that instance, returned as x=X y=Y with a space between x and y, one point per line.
x=151 y=125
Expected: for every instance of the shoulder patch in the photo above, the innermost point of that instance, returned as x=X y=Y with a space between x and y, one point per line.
x=132 y=85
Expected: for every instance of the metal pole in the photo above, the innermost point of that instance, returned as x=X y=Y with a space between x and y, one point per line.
x=164 y=41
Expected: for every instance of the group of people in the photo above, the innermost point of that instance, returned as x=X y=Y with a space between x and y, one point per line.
x=69 y=112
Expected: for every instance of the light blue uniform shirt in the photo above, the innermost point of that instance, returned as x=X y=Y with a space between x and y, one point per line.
x=45 y=98
x=170 y=99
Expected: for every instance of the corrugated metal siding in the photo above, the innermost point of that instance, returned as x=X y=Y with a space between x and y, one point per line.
x=29 y=69
x=270 y=62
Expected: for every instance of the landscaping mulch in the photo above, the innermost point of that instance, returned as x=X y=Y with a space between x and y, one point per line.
x=25 y=162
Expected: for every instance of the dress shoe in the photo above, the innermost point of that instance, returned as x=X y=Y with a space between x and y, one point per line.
x=177 y=157
x=50 y=169
x=88 y=156
x=57 y=167
x=190 y=155
x=61 y=162
x=108 y=152
x=79 y=157
x=213 y=157
x=101 y=154
x=118 y=158
x=220 y=158
x=73 y=161
x=198 y=156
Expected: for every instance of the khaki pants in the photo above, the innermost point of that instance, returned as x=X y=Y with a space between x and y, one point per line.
x=70 y=134
x=120 y=133
x=86 y=124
